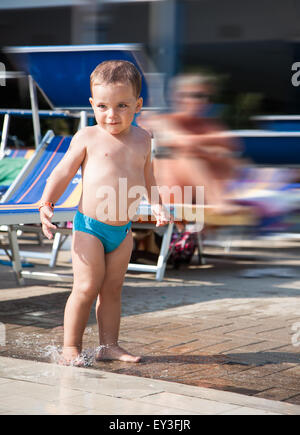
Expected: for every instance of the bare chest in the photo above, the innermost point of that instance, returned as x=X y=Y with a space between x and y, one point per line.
x=114 y=159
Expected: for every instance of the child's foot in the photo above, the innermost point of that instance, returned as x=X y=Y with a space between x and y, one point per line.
x=71 y=356
x=115 y=352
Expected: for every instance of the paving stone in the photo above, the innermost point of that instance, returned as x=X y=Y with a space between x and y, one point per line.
x=251 y=347
x=293 y=371
x=294 y=399
x=282 y=381
x=224 y=384
x=261 y=370
x=283 y=394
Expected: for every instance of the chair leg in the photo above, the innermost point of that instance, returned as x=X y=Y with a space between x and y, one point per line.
x=163 y=255
x=55 y=249
x=201 y=259
x=15 y=253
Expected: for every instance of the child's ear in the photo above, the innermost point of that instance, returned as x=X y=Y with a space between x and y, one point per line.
x=91 y=101
x=139 y=105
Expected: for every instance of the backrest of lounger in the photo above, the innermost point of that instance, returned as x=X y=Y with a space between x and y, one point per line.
x=64 y=88
x=30 y=189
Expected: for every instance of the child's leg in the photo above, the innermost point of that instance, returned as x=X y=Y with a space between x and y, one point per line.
x=108 y=309
x=89 y=269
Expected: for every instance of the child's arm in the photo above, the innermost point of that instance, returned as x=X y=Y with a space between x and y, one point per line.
x=161 y=214
x=59 y=180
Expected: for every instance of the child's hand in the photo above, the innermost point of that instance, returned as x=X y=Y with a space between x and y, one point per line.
x=46 y=214
x=162 y=215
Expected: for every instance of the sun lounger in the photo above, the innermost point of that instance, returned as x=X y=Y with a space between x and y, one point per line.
x=20 y=203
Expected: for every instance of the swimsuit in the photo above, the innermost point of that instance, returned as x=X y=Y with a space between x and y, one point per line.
x=111 y=236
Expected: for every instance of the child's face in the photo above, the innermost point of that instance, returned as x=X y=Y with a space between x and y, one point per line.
x=114 y=106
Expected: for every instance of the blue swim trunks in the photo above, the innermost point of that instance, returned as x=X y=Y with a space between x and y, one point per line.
x=110 y=236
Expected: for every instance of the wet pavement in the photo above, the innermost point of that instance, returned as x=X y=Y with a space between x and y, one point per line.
x=232 y=325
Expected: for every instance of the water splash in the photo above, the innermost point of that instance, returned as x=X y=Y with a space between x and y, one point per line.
x=33 y=345
x=55 y=354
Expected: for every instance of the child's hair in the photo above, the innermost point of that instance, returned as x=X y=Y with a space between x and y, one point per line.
x=117 y=71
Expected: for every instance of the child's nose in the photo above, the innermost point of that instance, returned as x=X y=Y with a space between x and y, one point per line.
x=111 y=112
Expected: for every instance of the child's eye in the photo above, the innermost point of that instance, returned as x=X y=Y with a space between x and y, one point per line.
x=122 y=105
x=101 y=106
